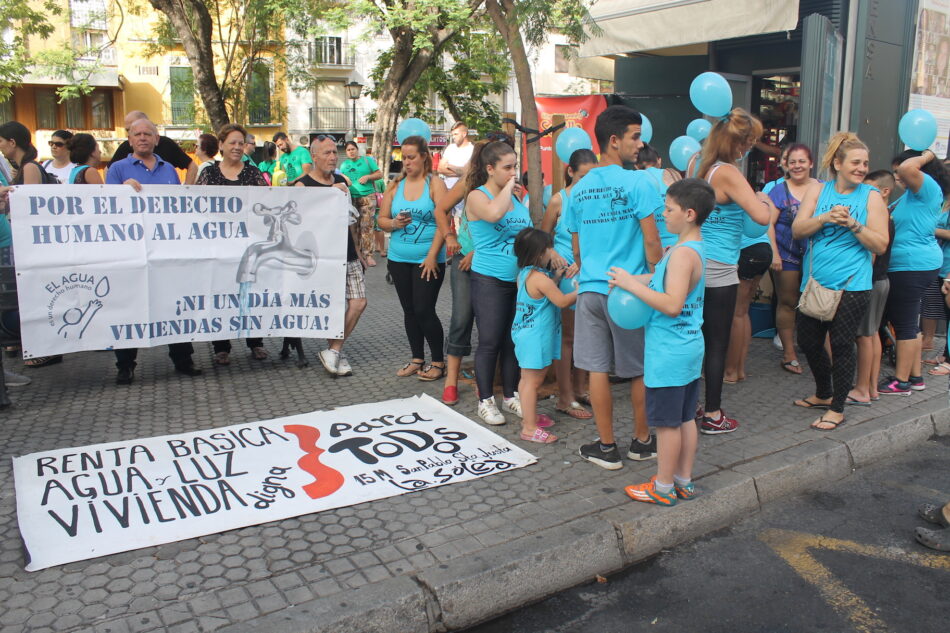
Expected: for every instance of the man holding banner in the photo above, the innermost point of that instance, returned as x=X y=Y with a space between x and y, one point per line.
x=145 y=167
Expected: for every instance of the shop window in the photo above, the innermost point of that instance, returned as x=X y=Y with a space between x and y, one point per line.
x=46 y=110
x=258 y=96
x=182 y=95
x=6 y=110
x=75 y=117
x=101 y=110
x=561 y=62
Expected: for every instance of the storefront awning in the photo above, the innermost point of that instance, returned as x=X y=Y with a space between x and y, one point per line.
x=640 y=25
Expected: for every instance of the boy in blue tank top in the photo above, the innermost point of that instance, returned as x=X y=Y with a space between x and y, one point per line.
x=611 y=217
x=674 y=334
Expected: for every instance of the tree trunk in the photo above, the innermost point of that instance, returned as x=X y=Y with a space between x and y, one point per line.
x=502 y=13
x=193 y=24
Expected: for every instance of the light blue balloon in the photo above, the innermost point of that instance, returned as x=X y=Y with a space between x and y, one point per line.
x=681 y=150
x=413 y=127
x=751 y=228
x=698 y=129
x=646 y=129
x=568 y=285
x=569 y=141
x=711 y=94
x=626 y=310
x=918 y=129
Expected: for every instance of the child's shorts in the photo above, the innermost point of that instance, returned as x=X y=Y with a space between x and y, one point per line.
x=672 y=406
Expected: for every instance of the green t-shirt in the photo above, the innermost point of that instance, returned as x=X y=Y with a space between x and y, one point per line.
x=294 y=161
x=354 y=170
x=267 y=166
x=249 y=160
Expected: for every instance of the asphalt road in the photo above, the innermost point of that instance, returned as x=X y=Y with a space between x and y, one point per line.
x=841 y=558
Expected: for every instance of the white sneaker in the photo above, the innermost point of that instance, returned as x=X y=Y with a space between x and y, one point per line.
x=777 y=342
x=343 y=367
x=512 y=405
x=15 y=380
x=330 y=359
x=488 y=411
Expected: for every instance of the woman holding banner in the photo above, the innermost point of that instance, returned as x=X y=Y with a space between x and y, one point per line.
x=233 y=171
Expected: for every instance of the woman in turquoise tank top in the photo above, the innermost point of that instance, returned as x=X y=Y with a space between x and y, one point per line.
x=846 y=221
x=649 y=160
x=416 y=259
x=570 y=380
x=495 y=217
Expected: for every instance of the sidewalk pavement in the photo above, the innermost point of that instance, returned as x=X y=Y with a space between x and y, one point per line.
x=440 y=559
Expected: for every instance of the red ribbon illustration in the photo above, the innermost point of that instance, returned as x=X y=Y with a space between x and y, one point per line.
x=326 y=480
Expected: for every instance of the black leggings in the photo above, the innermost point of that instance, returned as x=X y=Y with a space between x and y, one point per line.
x=719 y=306
x=834 y=381
x=418 y=298
x=903 y=301
x=493 y=301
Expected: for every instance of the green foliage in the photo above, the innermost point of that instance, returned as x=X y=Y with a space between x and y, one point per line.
x=23 y=19
x=537 y=18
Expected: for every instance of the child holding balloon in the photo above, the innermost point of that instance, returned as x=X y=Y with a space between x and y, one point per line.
x=536 y=329
x=675 y=292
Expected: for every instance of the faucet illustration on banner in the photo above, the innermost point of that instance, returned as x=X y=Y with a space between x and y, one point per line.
x=277 y=250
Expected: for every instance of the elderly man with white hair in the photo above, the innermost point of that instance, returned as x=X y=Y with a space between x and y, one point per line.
x=168 y=149
x=145 y=167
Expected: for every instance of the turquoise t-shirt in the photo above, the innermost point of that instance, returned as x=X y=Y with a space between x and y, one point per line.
x=411 y=245
x=943 y=222
x=563 y=240
x=536 y=330
x=666 y=238
x=835 y=255
x=915 y=219
x=495 y=241
x=6 y=234
x=605 y=211
x=678 y=340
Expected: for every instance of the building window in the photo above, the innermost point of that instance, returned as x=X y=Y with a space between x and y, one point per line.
x=561 y=63
x=46 y=110
x=88 y=14
x=328 y=50
x=6 y=110
x=75 y=118
x=182 y=80
x=258 y=97
x=100 y=106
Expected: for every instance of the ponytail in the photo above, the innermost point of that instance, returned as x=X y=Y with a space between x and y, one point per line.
x=727 y=135
x=485 y=153
x=838 y=147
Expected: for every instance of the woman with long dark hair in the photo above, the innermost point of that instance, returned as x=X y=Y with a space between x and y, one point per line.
x=416 y=257
x=16 y=145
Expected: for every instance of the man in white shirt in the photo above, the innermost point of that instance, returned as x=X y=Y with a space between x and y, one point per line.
x=456 y=156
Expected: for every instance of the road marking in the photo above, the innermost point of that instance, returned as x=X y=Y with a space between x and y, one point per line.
x=793 y=547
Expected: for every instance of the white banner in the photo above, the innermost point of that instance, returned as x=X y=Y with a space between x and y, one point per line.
x=101 y=267
x=80 y=503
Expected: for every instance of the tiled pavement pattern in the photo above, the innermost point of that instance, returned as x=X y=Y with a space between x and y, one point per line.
x=206 y=583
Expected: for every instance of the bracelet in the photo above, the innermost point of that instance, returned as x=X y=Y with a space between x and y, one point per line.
x=858 y=228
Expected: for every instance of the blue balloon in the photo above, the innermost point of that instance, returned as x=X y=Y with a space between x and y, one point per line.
x=646 y=129
x=413 y=127
x=751 y=228
x=569 y=141
x=568 y=285
x=711 y=94
x=918 y=129
x=626 y=310
x=698 y=129
x=681 y=150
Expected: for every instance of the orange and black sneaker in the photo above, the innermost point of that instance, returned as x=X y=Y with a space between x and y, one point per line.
x=647 y=493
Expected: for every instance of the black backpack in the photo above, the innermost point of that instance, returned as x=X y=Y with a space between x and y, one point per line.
x=46 y=178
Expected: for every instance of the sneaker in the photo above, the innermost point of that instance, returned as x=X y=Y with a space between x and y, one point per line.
x=893 y=387
x=777 y=343
x=330 y=359
x=15 y=380
x=343 y=366
x=488 y=411
x=647 y=493
x=686 y=492
x=722 y=424
x=594 y=454
x=450 y=395
x=125 y=376
x=640 y=451
x=917 y=383
x=512 y=405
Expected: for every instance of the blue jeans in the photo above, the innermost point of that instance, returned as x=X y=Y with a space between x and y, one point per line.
x=463 y=318
x=493 y=302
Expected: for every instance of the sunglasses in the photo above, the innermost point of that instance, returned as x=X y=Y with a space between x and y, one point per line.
x=57 y=144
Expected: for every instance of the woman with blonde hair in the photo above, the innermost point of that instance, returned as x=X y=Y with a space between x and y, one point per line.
x=728 y=142
x=846 y=223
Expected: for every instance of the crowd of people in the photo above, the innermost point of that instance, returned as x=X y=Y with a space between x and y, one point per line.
x=845 y=255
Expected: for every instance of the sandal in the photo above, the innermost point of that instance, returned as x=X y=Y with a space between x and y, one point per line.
x=792 y=367
x=410 y=368
x=583 y=398
x=822 y=420
x=543 y=421
x=222 y=358
x=932 y=514
x=259 y=353
x=540 y=436
x=857 y=403
x=576 y=411
x=943 y=369
x=43 y=361
x=807 y=403
x=425 y=374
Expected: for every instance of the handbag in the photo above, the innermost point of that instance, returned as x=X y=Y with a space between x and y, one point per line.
x=817 y=301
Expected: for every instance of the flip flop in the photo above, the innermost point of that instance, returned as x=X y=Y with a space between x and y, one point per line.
x=583 y=398
x=822 y=420
x=792 y=363
x=540 y=436
x=857 y=403
x=576 y=411
x=943 y=369
x=805 y=403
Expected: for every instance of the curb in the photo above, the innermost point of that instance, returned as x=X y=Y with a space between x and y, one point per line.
x=481 y=586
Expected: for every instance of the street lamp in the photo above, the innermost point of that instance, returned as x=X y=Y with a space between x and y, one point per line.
x=353 y=90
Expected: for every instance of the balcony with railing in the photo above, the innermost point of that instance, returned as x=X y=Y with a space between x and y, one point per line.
x=340 y=119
